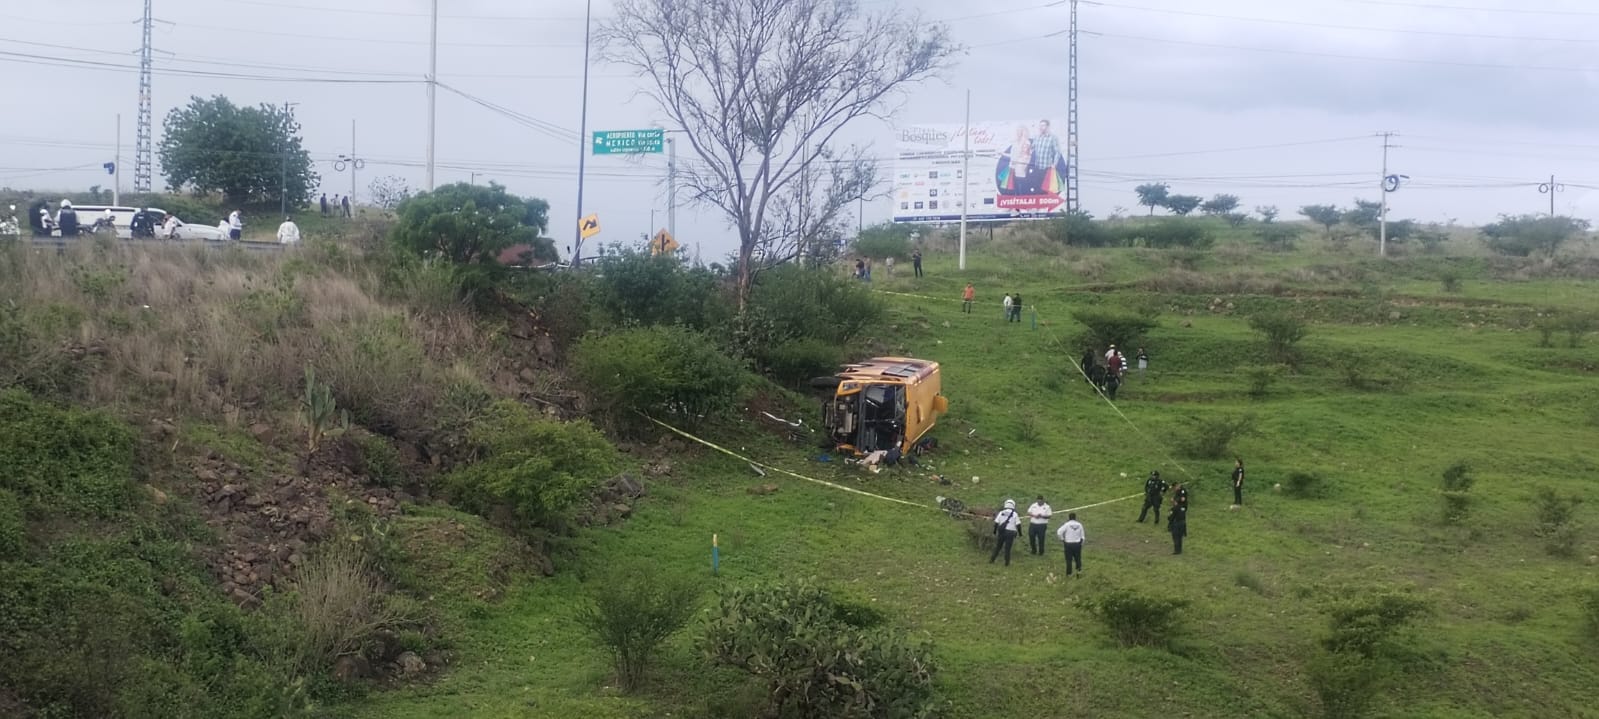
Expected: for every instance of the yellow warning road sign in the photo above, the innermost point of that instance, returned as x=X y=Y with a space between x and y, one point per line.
x=662 y=243
x=589 y=226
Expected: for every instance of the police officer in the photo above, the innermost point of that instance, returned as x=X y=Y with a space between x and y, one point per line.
x=1005 y=525
x=1238 y=482
x=1177 y=524
x=1179 y=494
x=1154 y=494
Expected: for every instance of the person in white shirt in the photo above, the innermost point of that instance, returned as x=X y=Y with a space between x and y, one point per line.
x=169 y=228
x=288 y=232
x=1038 y=527
x=1005 y=525
x=1007 y=303
x=1071 y=534
x=235 y=225
x=224 y=228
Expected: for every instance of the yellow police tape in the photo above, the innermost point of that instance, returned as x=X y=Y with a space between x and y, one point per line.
x=835 y=485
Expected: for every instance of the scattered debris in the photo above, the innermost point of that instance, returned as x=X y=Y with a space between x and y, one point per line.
x=758 y=470
x=762 y=490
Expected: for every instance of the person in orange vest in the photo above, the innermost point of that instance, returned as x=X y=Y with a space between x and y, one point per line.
x=967 y=297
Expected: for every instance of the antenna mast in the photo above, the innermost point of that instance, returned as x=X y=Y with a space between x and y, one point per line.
x=141 y=148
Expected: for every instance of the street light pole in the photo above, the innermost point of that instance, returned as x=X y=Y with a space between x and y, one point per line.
x=582 y=138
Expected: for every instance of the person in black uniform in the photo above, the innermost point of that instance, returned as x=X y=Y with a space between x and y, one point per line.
x=1238 y=482
x=1177 y=524
x=1179 y=494
x=1154 y=494
x=67 y=220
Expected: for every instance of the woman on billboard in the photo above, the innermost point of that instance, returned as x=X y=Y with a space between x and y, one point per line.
x=1031 y=166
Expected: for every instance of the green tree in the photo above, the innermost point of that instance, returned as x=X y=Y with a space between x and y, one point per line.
x=472 y=224
x=1219 y=205
x=1268 y=213
x=1153 y=195
x=249 y=154
x=1526 y=235
x=1328 y=216
x=1183 y=205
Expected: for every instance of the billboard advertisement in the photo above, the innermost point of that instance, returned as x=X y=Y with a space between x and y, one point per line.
x=1018 y=170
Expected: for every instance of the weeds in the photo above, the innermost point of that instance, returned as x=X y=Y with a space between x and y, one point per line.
x=632 y=616
x=1260 y=378
x=337 y=605
x=1557 y=525
x=320 y=413
x=1211 y=438
x=1027 y=429
x=1307 y=485
x=1457 y=483
x=1138 y=620
x=1282 y=332
x=1249 y=580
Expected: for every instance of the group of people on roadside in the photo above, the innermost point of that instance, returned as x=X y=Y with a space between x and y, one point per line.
x=1008 y=521
x=339 y=206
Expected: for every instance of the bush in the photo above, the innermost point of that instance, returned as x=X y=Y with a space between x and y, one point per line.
x=1211 y=438
x=980 y=533
x=1557 y=525
x=1261 y=378
x=64 y=461
x=795 y=361
x=1138 y=620
x=1282 y=332
x=815 y=664
x=531 y=467
x=658 y=370
x=336 y=607
x=380 y=461
x=1027 y=429
x=13 y=526
x=1248 y=580
x=1166 y=233
x=632 y=615
x=1457 y=482
x=1526 y=235
x=635 y=287
x=1575 y=325
x=1367 y=626
x=1345 y=684
x=792 y=302
x=1451 y=278
x=1588 y=603
x=884 y=240
x=1114 y=327
x=1306 y=485
x=472 y=224
x=1078 y=229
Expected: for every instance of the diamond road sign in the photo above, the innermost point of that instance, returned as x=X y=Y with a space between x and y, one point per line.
x=629 y=142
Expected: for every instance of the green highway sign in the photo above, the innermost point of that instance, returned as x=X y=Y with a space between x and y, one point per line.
x=629 y=142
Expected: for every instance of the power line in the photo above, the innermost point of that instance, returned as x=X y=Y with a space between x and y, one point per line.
x=1313 y=53
x=47 y=61
x=549 y=129
x=1247 y=148
x=1332 y=26
x=1468 y=8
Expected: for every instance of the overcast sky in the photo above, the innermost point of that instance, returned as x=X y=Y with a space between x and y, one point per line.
x=1275 y=101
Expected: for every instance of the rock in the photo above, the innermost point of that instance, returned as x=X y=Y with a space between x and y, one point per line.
x=526 y=375
x=1395 y=315
x=261 y=431
x=410 y=664
x=546 y=567
x=627 y=486
x=622 y=510
x=255 y=500
x=762 y=490
x=156 y=495
x=544 y=348
x=295 y=559
x=163 y=428
x=386 y=645
x=662 y=468
x=1188 y=323
x=352 y=667
x=206 y=474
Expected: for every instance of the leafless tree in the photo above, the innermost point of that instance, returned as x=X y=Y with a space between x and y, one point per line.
x=389 y=191
x=761 y=87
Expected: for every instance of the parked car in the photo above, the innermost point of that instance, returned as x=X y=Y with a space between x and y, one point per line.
x=185 y=231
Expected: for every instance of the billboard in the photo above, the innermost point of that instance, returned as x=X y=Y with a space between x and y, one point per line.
x=1018 y=170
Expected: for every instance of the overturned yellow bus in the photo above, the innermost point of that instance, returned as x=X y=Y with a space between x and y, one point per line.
x=882 y=403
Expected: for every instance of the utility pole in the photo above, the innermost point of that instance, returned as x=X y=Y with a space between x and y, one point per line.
x=582 y=138
x=116 y=161
x=141 y=147
x=1073 y=195
x=473 y=181
x=671 y=188
x=1382 y=222
x=1550 y=188
x=966 y=175
x=283 y=159
x=805 y=188
x=433 y=93
x=351 y=161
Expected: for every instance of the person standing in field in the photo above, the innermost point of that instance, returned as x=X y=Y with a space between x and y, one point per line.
x=1071 y=534
x=889 y=265
x=1143 y=360
x=346 y=201
x=67 y=220
x=1038 y=525
x=288 y=232
x=916 y=262
x=1154 y=493
x=967 y=296
x=324 y=204
x=1006 y=303
x=1005 y=525
x=1238 y=482
x=1177 y=524
x=235 y=225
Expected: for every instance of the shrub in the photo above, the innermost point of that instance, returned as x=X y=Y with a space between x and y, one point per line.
x=1138 y=620
x=1166 y=233
x=1261 y=378
x=64 y=461
x=381 y=375
x=657 y=370
x=1457 y=482
x=1211 y=438
x=636 y=287
x=1588 y=603
x=1345 y=684
x=632 y=615
x=795 y=361
x=797 y=302
x=380 y=461
x=1451 y=278
x=1556 y=522
x=1277 y=236
x=884 y=240
x=1575 y=325
x=335 y=608
x=980 y=533
x=1248 y=580
x=1306 y=485
x=531 y=467
x=814 y=663
x=1366 y=626
x=13 y=527
x=1526 y=235
x=472 y=224
x=1114 y=327
x=1078 y=229
x=1282 y=332
x=1027 y=428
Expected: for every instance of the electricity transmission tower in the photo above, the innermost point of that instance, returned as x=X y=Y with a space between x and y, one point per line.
x=1072 y=194
x=141 y=149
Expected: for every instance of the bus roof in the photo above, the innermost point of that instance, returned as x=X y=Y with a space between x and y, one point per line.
x=889 y=369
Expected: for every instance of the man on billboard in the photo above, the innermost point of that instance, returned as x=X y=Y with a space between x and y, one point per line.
x=1028 y=174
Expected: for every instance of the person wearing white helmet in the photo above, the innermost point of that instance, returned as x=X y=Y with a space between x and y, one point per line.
x=1005 y=526
x=11 y=228
x=67 y=219
x=288 y=232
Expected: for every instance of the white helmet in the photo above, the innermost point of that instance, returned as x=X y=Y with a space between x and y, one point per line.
x=1010 y=504
x=66 y=204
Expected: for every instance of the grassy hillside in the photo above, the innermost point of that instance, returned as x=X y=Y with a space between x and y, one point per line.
x=1441 y=378
x=177 y=378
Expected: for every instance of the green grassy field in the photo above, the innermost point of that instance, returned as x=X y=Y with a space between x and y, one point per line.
x=1451 y=381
